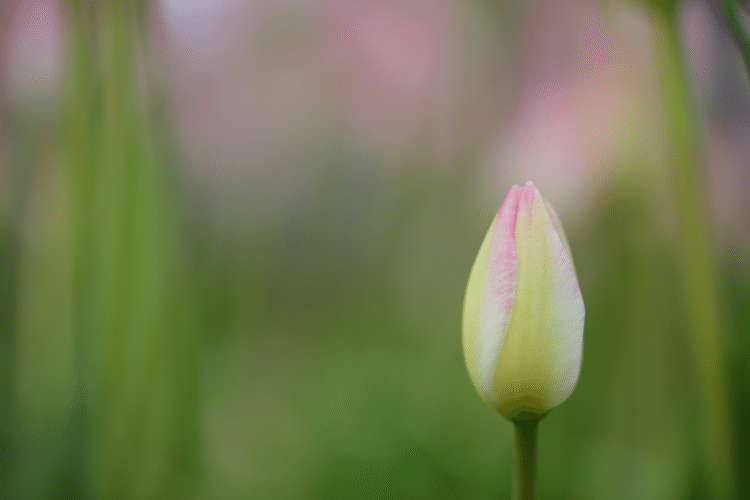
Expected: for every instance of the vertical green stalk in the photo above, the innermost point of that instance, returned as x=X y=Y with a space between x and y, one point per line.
x=694 y=258
x=79 y=141
x=138 y=354
x=524 y=459
x=734 y=21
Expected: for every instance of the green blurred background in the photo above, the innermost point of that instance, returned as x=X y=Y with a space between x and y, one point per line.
x=235 y=236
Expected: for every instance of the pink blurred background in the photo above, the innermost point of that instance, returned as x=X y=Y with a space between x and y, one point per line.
x=557 y=93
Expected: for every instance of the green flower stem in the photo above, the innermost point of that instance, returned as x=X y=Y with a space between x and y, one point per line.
x=524 y=459
x=700 y=296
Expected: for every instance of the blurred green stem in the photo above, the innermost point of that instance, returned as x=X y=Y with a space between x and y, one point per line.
x=738 y=32
x=694 y=257
x=524 y=459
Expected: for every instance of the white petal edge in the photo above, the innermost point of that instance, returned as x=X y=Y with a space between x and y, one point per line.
x=566 y=332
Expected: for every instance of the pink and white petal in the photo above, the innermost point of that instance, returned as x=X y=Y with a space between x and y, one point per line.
x=523 y=367
x=557 y=225
x=566 y=318
x=499 y=292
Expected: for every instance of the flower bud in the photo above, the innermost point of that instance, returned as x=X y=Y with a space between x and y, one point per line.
x=523 y=310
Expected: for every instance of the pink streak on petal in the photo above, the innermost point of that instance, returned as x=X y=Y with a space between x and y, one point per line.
x=508 y=214
x=499 y=292
x=528 y=197
x=504 y=263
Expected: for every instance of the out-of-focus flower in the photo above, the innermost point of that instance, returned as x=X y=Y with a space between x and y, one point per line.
x=268 y=94
x=727 y=152
x=398 y=64
x=723 y=105
x=246 y=99
x=585 y=92
x=35 y=52
x=523 y=312
x=702 y=51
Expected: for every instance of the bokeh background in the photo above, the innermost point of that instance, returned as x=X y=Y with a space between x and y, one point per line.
x=235 y=236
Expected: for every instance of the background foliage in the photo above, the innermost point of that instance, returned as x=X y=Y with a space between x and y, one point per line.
x=235 y=236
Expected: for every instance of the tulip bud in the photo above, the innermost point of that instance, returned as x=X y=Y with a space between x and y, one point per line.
x=523 y=310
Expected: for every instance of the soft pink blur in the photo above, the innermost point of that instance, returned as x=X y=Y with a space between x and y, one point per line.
x=261 y=89
x=579 y=105
x=266 y=93
x=397 y=64
x=34 y=51
x=241 y=76
x=722 y=103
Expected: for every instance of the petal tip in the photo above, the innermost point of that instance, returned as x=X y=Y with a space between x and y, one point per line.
x=508 y=211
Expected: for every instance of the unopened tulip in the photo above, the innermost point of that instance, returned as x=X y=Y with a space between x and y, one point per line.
x=523 y=311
